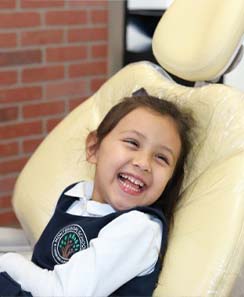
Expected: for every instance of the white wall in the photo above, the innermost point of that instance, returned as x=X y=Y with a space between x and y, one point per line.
x=236 y=77
x=149 y=4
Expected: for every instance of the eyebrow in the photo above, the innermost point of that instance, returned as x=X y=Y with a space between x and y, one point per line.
x=143 y=136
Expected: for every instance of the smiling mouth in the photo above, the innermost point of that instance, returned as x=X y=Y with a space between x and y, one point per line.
x=131 y=184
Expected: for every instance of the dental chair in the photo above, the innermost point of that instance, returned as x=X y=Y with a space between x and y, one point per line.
x=197 y=41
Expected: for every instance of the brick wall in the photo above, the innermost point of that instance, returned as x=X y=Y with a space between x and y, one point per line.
x=53 y=55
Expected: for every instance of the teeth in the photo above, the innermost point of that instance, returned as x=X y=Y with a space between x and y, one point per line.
x=132 y=180
x=130 y=187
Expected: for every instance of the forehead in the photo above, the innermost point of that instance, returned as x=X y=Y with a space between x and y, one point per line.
x=152 y=124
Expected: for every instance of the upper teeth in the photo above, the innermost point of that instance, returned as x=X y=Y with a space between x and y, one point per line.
x=133 y=180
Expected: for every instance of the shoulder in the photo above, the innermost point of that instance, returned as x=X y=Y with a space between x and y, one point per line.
x=144 y=220
x=138 y=216
x=135 y=223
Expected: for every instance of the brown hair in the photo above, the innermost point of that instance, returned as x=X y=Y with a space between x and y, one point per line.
x=183 y=120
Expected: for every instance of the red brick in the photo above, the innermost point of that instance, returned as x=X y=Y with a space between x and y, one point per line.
x=8 y=114
x=8 y=149
x=9 y=219
x=99 y=16
x=43 y=109
x=96 y=83
x=20 y=94
x=20 y=129
x=41 y=3
x=65 y=89
x=5 y=202
x=91 y=68
x=73 y=103
x=99 y=51
x=8 y=77
x=8 y=40
x=87 y=34
x=53 y=123
x=19 y=20
x=7 y=184
x=43 y=74
x=12 y=166
x=41 y=37
x=85 y=3
x=62 y=54
x=14 y=58
x=72 y=17
x=31 y=144
x=7 y=4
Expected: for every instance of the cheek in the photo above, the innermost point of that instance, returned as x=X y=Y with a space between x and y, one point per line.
x=110 y=159
x=162 y=179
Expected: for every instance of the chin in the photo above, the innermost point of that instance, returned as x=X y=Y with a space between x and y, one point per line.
x=120 y=207
x=124 y=206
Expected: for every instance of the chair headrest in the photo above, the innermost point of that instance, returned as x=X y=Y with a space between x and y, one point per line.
x=198 y=40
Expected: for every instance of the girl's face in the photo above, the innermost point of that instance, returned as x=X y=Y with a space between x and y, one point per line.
x=135 y=161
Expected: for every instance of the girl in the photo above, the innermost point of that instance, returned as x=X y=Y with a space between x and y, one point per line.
x=109 y=237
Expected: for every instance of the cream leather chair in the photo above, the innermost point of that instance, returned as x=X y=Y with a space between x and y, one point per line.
x=195 y=40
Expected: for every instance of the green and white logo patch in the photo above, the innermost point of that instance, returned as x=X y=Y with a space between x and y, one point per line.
x=68 y=241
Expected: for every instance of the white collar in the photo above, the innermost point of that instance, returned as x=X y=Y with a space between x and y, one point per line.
x=83 y=190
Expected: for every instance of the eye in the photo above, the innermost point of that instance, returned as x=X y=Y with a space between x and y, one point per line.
x=163 y=159
x=132 y=142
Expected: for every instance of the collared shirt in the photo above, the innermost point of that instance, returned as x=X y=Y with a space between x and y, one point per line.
x=126 y=247
x=86 y=206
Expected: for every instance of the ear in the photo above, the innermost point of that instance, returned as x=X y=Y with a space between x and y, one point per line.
x=91 y=147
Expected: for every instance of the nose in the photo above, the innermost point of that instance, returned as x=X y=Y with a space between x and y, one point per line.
x=142 y=161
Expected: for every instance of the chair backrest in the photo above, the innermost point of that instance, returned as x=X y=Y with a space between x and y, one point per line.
x=206 y=247
x=198 y=40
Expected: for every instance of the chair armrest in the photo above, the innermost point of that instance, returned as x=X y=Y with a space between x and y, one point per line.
x=13 y=240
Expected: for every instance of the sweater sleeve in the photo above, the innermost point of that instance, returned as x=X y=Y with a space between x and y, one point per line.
x=125 y=248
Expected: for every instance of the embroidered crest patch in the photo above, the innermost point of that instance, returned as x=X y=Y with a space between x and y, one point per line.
x=68 y=241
